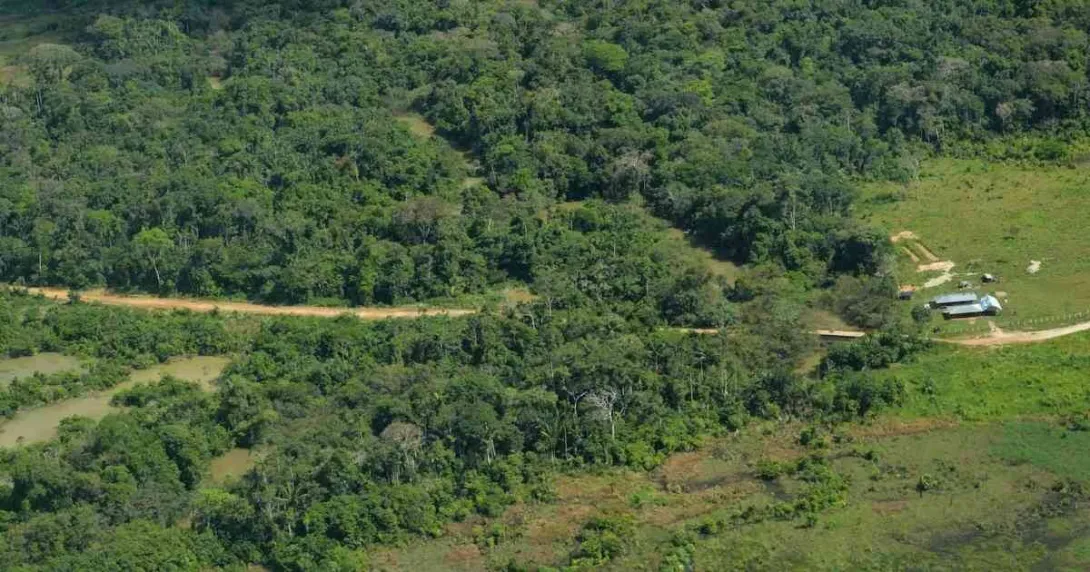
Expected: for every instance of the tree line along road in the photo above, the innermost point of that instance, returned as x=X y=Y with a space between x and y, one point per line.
x=996 y=337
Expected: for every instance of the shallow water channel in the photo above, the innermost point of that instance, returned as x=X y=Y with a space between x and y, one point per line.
x=40 y=424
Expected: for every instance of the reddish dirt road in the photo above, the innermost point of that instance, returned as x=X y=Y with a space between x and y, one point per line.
x=996 y=337
x=152 y=303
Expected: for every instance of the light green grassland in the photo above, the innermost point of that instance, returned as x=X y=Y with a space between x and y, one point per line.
x=991 y=506
x=984 y=513
x=993 y=217
x=993 y=383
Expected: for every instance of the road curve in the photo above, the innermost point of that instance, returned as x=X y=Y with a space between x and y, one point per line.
x=999 y=337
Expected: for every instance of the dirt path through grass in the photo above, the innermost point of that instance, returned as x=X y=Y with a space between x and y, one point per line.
x=205 y=306
x=999 y=337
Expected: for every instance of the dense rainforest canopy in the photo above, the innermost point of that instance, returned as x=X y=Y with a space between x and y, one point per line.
x=368 y=434
x=283 y=152
x=250 y=148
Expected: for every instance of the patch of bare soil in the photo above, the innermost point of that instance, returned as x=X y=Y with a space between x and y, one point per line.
x=8 y=74
x=231 y=465
x=938 y=280
x=417 y=124
x=941 y=266
x=206 y=306
x=944 y=266
x=842 y=334
x=933 y=263
x=470 y=182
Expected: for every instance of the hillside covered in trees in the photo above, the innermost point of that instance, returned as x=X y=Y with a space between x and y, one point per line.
x=341 y=152
x=369 y=434
x=251 y=148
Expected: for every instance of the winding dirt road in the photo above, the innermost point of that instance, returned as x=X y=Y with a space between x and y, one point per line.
x=204 y=306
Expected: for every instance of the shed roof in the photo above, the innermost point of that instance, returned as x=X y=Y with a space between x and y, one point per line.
x=954 y=298
x=964 y=310
x=990 y=302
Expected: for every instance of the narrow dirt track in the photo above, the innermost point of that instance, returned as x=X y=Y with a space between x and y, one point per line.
x=152 y=303
x=997 y=337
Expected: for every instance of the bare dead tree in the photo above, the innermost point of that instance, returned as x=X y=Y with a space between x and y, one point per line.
x=604 y=403
x=408 y=439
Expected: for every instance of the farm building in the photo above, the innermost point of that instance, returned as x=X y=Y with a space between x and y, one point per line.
x=955 y=299
x=987 y=306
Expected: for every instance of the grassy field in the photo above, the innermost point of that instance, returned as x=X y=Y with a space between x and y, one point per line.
x=997 y=218
x=991 y=504
x=998 y=382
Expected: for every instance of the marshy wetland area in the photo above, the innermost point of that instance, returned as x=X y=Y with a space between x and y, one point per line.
x=39 y=424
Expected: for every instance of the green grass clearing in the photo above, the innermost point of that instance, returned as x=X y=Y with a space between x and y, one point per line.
x=996 y=218
x=1049 y=447
x=983 y=513
x=715 y=264
x=988 y=383
x=417 y=124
